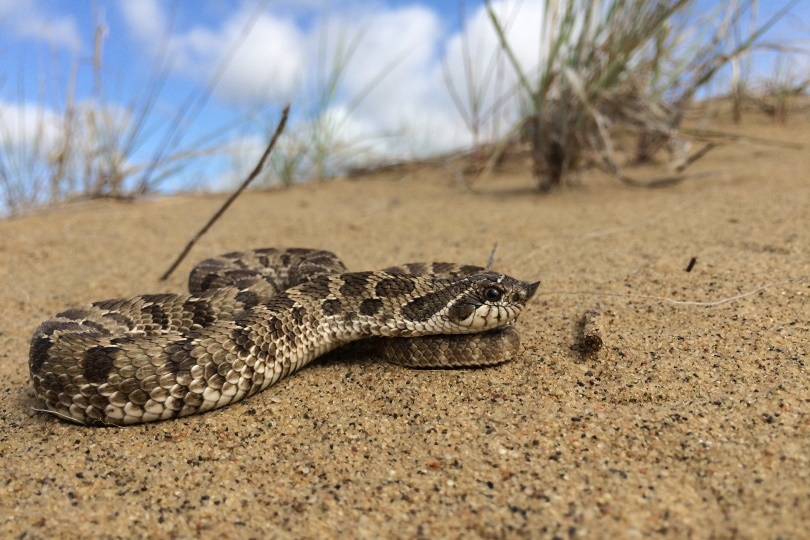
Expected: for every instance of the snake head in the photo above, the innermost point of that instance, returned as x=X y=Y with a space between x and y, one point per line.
x=490 y=301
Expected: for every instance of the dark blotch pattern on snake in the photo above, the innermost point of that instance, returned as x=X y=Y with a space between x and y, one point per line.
x=254 y=318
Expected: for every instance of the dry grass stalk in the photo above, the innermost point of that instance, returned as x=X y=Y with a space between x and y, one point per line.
x=619 y=68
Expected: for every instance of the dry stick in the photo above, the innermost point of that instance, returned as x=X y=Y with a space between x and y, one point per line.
x=259 y=166
x=696 y=156
x=591 y=340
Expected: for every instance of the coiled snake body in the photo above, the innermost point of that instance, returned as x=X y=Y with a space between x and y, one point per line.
x=254 y=318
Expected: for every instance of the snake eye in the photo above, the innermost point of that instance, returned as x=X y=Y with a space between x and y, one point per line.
x=493 y=294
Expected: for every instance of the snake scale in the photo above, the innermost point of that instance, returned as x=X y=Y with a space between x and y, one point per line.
x=253 y=318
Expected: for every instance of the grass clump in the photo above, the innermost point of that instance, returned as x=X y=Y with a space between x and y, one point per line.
x=71 y=148
x=616 y=69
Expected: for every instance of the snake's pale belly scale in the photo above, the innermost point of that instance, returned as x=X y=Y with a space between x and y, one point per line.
x=253 y=319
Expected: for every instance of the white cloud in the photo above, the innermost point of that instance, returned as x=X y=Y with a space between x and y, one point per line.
x=388 y=83
x=266 y=65
x=28 y=125
x=27 y=20
x=269 y=63
x=391 y=83
x=414 y=96
x=146 y=20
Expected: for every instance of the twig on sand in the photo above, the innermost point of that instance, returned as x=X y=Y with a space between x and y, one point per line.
x=259 y=167
x=591 y=339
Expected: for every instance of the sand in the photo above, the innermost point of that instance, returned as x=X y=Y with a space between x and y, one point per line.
x=691 y=421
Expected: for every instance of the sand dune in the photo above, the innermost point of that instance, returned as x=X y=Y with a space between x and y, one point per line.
x=693 y=420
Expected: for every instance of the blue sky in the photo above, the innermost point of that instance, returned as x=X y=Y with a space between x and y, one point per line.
x=406 y=112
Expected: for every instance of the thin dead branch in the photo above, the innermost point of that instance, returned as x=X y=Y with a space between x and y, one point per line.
x=256 y=171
